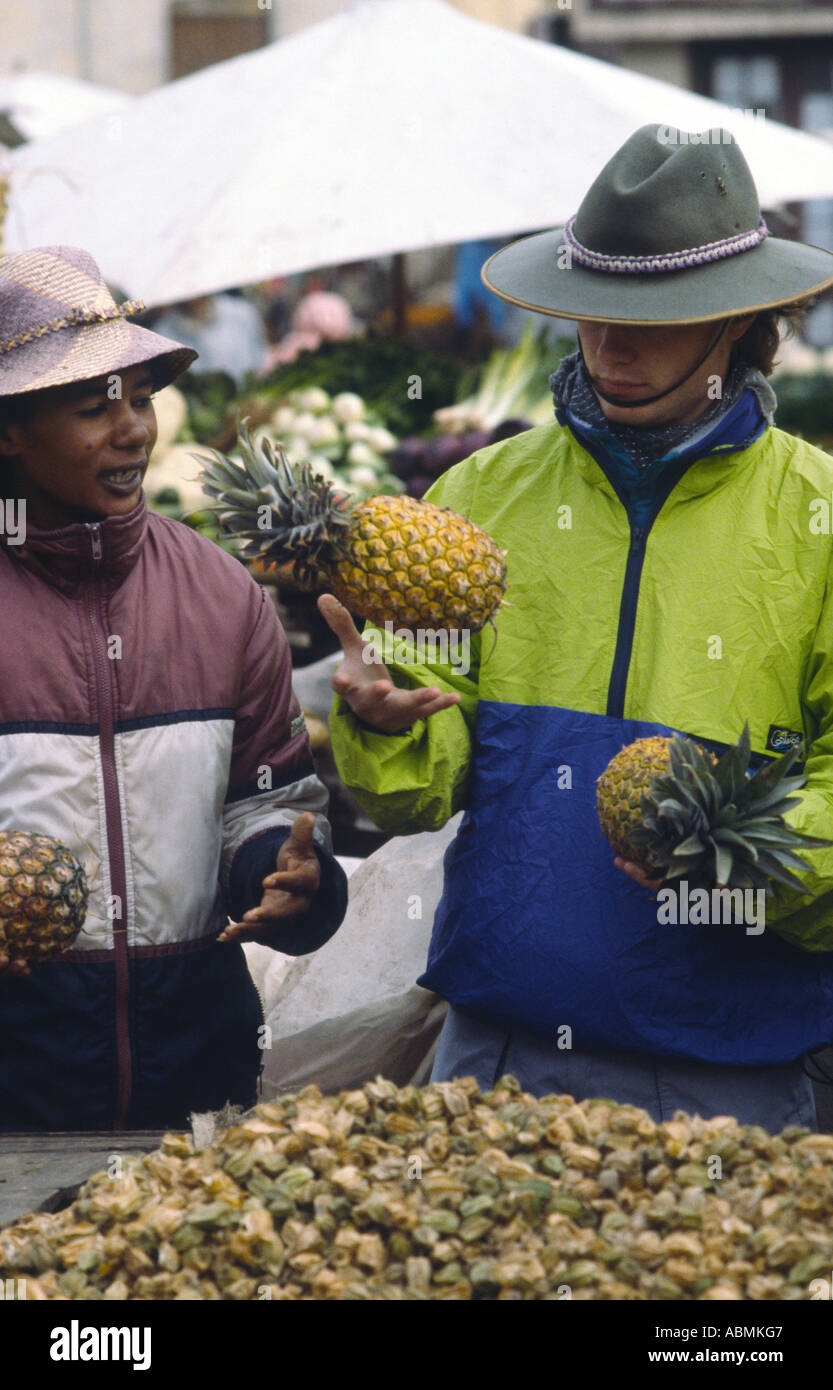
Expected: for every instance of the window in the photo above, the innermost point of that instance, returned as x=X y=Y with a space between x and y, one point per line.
x=748 y=82
x=206 y=33
x=817 y=221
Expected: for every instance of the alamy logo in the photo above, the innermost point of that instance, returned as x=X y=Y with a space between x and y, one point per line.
x=13 y=520
x=679 y=906
x=670 y=135
x=77 y=1343
x=421 y=646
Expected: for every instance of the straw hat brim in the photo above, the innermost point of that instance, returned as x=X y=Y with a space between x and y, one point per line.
x=89 y=351
x=527 y=273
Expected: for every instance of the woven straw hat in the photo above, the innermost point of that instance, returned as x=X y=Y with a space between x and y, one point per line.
x=669 y=232
x=59 y=323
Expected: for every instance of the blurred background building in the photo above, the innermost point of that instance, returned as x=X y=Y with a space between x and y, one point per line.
x=757 y=55
x=748 y=52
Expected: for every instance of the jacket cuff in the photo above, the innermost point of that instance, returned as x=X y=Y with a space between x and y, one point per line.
x=388 y=733
x=300 y=935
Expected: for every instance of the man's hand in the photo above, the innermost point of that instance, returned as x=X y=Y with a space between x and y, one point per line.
x=289 y=892
x=637 y=874
x=366 y=685
x=13 y=968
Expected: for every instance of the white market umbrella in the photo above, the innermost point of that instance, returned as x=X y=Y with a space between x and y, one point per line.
x=395 y=125
x=39 y=104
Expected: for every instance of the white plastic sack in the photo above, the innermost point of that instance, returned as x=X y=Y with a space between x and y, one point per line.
x=395 y=1038
x=373 y=960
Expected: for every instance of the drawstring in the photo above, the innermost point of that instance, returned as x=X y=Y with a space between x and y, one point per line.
x=649 y=400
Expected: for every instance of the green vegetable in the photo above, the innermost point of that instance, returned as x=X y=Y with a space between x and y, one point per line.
x=383 y=371
x=514 y=384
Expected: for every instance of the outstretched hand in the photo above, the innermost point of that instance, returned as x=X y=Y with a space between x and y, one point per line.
x=365 y=682
x=288 y=893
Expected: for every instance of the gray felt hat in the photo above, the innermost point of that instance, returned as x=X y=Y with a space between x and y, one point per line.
x=669 y=232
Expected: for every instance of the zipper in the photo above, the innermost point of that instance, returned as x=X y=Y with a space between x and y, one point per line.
x=633 y=569
x=630 y=587
x=627 y=622
x=95 y=540
x=112 y=815
x=262 y=1067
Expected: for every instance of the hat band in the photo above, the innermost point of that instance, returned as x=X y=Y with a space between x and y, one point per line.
x=75 y=319
x=671 y=260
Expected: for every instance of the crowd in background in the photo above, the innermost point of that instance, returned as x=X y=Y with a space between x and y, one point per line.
x=255 y=330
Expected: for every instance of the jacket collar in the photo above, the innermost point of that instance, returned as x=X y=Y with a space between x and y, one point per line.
x=69 y=555
x=733 y=434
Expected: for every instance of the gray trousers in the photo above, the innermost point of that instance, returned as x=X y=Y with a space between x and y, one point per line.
x=773 y=1097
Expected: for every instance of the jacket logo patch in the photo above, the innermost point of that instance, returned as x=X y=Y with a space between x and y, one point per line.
x=297 y=726
x=780 y=740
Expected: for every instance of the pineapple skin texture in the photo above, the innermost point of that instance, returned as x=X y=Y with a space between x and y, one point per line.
x=418 y=566
x=43 y=896
x=620 y=791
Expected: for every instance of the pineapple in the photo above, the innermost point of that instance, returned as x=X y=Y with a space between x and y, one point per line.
x=679 y=812
x=386 y=558
x=43 y=896
x=621 y=794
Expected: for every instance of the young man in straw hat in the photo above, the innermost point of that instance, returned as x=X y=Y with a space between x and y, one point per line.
x=147 y=720
x=664 y=577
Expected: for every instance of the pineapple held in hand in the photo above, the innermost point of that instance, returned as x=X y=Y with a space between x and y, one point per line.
x=680 y=813
x=390 y=559
x=43 y=896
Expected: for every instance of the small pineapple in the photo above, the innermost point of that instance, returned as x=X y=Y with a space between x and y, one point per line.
x=386 y=558
x=43 y=896
x=677 y=811
x=621 y=793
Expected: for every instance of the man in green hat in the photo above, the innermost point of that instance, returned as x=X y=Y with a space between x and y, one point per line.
x=665 y=576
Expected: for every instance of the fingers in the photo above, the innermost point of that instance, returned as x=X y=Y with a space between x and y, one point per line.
x=430 y=700
x=14 y=966
x=336 y=616
x=638 y=874
x=401 y=708
x=299 y=840
x=301 y=878
x=365 y=683
x=281 y=907
x=391 y=708
x=362 y=665
x=289 y=892
x=276 y=905
x=357 y=690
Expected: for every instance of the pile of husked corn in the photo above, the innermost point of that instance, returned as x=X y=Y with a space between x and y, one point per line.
x=443 y=1192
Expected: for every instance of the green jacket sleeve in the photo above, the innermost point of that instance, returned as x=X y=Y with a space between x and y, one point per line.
x=418 y=779
x=805 y=923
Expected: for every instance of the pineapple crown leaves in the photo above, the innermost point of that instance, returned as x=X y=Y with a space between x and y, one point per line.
x=712 y=822
x=284 y=512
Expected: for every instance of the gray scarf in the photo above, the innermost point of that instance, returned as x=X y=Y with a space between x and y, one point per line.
x=645 y=444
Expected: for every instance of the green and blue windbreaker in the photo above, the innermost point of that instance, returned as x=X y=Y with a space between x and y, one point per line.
x=715 y=610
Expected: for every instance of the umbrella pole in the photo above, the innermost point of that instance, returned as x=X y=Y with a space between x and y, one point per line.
x=399 y=291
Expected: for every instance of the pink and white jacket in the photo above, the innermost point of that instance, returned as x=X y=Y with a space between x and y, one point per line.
x=147 y=720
